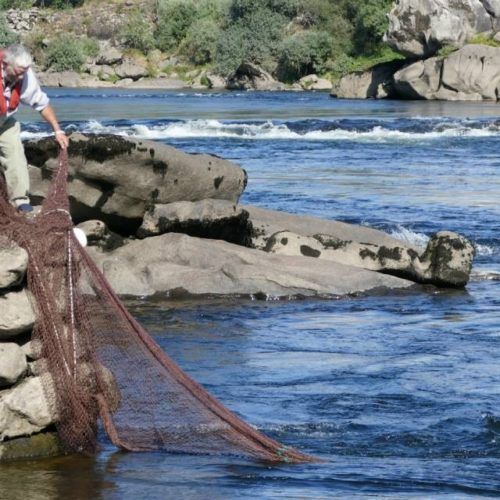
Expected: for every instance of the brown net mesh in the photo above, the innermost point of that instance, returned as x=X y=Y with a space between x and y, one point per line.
x=97 y=361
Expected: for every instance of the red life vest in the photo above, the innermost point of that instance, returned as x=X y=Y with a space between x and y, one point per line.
x=15 y=93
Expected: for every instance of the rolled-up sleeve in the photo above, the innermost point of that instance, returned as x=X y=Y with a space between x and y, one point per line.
x=31 y=92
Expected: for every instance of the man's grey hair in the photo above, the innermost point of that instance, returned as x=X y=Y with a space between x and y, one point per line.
x=17 y=55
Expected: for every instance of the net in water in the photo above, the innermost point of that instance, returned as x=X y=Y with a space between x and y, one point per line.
x=97 y=362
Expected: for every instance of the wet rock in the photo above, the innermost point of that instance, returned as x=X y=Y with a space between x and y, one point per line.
x=25 y=409
x=12 y=363
x=115 y=179
x=216 y=219
x=179 y=264
x=16 y=314
x=13 y=263
x=449 y=257
x=41 y=445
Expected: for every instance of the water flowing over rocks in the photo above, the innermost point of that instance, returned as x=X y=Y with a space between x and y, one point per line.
x=183 y=233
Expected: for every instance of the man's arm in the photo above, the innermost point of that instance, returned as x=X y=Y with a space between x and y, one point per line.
x=50 y=117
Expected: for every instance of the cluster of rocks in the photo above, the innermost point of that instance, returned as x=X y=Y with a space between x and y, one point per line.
x=158 y=220
x=23 y=21
x=27 y=413
x=418 y=29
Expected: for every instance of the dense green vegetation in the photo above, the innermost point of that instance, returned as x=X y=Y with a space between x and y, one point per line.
x=288 y=38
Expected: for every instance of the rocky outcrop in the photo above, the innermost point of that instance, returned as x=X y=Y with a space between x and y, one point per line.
x=17 y=315
x=216 y=219
x=249 y=76
x=116 y=179
x=314 y=82
x=376 y=82
x=447 y=260
x=471 y=73
x=419 y=28
x=178 y=264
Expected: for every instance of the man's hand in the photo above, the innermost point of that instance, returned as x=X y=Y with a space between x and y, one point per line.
x=62 y=139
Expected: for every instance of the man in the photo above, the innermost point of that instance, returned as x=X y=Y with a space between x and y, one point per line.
x=18 y=83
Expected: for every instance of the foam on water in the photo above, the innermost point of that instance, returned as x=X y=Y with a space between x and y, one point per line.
x=269 y=130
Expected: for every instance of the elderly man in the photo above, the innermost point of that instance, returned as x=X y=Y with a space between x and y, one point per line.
x=19 y=84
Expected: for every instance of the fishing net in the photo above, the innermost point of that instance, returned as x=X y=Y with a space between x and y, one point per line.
x=96 y=361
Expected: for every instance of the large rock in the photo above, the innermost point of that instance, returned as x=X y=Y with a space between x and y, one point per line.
x=447 y=260
x=132 y=68
x=115 y=179
x=180 y=264
x=419 y=28
x=13 y=363
x=16 y=314
x=268 y=222
x=13 y=263
x=25 y=409
x=249 y=76
x=216 y=219
x=377 y=82
x=471 y=73
x=314 y=82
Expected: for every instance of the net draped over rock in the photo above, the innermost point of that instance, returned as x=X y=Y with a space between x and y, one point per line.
x=98 y=362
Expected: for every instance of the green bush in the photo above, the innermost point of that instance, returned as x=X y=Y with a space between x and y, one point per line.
x=66 y=53
x=137 y=33
x=304 y=53
x=200 y=42
x=15 y=4
x=7 y=36
x=370 y=24
x=256 y=38
x=174 y=19
x=243 y=8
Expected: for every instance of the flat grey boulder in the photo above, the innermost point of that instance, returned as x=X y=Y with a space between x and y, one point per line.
x=114 y=179
x=447 y=260
x=13 y=363
x=376 y=82
x=25 y=409
x=179 y=264
x=16 y=314
x=216 y=219
x=314 y=82
x=266 y=222
x=470 y=73
x=13 y=263
x=419 y=28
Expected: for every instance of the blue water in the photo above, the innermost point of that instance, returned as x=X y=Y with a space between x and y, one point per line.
x=399 y=393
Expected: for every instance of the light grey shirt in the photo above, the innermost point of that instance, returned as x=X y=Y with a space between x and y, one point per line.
x=31 y=94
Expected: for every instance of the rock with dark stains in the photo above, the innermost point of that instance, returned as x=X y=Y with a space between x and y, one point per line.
x=181 y=265
x=446 y=262
x=115 y=179
x=215 y=219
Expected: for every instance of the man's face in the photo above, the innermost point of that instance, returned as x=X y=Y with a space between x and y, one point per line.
x=14 y=72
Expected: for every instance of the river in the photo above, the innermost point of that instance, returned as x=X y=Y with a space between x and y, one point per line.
x=399 y=393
